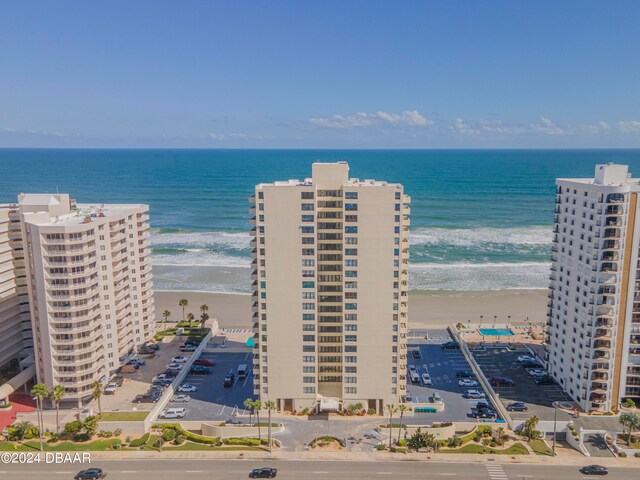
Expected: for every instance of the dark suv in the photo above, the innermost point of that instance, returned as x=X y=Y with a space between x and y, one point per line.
x=464 y=374
x=228 y=380
x=501 y=382
x=545 y=380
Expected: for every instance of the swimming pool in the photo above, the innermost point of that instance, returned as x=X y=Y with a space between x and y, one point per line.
x=250 y=342
x=495 y=332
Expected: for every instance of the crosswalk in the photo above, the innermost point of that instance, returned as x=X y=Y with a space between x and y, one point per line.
x=496 y=472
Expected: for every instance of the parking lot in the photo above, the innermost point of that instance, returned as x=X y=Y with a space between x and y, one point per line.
x=500 y=362
x=442 y=366
x=213 y=401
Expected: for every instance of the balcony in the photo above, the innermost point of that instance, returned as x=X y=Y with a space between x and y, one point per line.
x=612 y=233
x=614 y=210
x=603 y=333
x=615 y=198
x=608 y=267
x=602 y=345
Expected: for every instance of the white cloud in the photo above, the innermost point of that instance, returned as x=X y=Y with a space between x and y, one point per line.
x=631 y=126
x=547 y=127
x=229 y=136
x=40 y=133
x=362 y=119
x=462 y=127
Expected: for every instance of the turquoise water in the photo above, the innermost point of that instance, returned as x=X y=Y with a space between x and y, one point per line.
x=480 y=219
x=495 y=332
x=250 y=342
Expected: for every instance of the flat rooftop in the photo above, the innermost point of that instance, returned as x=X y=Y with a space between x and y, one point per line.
x=88 y=213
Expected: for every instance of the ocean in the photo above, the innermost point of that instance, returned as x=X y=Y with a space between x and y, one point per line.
x=480 y=219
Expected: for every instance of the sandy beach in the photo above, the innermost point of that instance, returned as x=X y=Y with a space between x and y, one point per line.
x=425 y=308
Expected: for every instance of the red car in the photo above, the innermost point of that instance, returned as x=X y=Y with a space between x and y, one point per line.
x=204 y=362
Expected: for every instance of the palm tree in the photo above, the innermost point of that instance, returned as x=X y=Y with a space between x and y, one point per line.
x=401 y=408
x=166 y=314
x=248 y=404
x=391 y=408
x=630 y=422
x=190 y=317
x=257 y=405
x=270 y=405
x=39 y=391
x=96 y=394
x=184 y=303
x=56 y=394
x=204 y=316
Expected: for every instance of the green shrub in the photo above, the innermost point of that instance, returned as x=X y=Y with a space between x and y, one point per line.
x=179 y=440
x=117 y=432
x=622 y=454
x=249 y=442
x=82 y=437
x=380 y=447
x=200 y=439
x=138 y=442
x=372 y=411
x=454 y=442
x=169 y=435
x=637 y=454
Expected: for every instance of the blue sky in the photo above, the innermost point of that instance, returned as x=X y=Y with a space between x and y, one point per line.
x=320 y=74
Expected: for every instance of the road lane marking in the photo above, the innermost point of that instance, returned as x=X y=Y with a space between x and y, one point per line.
x=320 y=473
x=384 y=473
x=129 y=471
x=448 y=474
x=193 y=471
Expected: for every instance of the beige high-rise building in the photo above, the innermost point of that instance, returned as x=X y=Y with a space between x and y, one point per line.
x=593 y=347
x=330 y=282
x=89 y=285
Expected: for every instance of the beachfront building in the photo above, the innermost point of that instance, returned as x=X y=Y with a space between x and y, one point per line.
x=16 y=345
x=593 y=344
x=330 y=282
x=88 y=278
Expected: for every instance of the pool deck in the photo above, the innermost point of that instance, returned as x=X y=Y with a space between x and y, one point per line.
x=531 y=334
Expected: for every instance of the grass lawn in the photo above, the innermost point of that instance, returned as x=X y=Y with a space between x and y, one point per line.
x=540 y=448
x=123 y=416
x=34 y=445
x=515 y=449
x=200 y=446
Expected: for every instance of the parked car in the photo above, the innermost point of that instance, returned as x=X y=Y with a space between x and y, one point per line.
x=545 y=380
x=146 y=398
x=200 y=370
x=467 y=382
x=412 y=368
x=526 y=358
x=483 y=404
x=483 y=414
x=187 y=348
x=118 y=380
x=188 y=388
x=173 y=413
x=165 y=382
x=228 y=380
x=110 y=389
x=501 y=382
x=436 y=398
x=90 y=474
x=517 y=407
x=464 y=374
x=181 y=399
x=450 y=345
x=426 y=379
x=528 y=365
x=161 y=377
x=153 y=346
x=174 y=366
x=138 y=361
x=474 y=394
x=416 y=354
x=204 y=362
x=168 y=373
x=263 y=473
x=594 y=470
x=179 y=359
x=536 y=372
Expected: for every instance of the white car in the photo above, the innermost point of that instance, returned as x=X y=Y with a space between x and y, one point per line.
x=467 y=382
x=110 y=388
x=173 y=413
x=174 y=366
x=475 y=394
x=412 y=368
x=181 y=399
x=161 y=377
x=179 y=359
x=536 y=372
x=187 y=388
x=426 y=379
x=526 y=358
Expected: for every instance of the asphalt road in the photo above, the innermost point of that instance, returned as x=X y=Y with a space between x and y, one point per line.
x=239 y=469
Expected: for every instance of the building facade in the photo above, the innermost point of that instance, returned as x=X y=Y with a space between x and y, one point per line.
x=330 y=283
x=89 y=284
x=593 y=344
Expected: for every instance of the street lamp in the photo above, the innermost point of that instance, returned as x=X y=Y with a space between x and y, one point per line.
x=508 y=321
x=40 y=424
x=495 y=318
x=481 y=317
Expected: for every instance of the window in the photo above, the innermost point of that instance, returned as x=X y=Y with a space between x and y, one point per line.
x=307 y=218
x=307 y=207
x=308 y=251
x=350 y=348
x=308 y=273
x=308 y=338
x=308 y=295
x=351 y=306
x=351 y=251
x=308 y=306
x=350 y=338
x=308 y=348
x=307 y=229
x=397 y=195
x=350 y=285
x=308 y=240
x=351 y=316
x=308 y=327
x=308 y=284
x=351 y=207
x=350 y=273
x=306 y=195
x=308 y=316
x=309 y=359
x=308 y=262
x=309 y=369
x=308 y=379
x=350 y=359
x=351 y=263
x=308 y=389
x=351 y=240
x=350 y=229
x=350 y=379
x=351 y=195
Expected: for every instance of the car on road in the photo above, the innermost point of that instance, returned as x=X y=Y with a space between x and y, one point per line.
x=228 y=380
x=179 y=359
x=517 y=407
x=594 y=470
x=536 y=372
x=464 y=374
x=450 y=345
x=426 y=379
x=264 y=472
x=174 y=366
x=474 y=394
x=547 y=380
x=181 y=399
x=199 y=370
x=204 y=362
x=146 y=398
x=110 y=389
x=416 y=354
x=90 y=474
x=501 y=382
x=187 y=388
x=173 y=413
x=467 y=382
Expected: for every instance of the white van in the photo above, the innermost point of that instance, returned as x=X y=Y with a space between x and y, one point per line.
x=173 y=413
x=242 y=370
